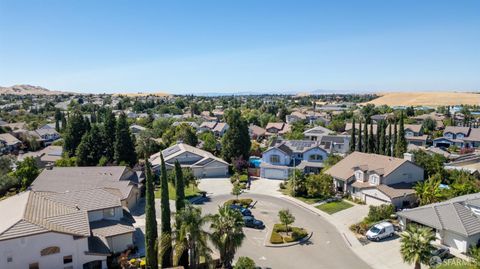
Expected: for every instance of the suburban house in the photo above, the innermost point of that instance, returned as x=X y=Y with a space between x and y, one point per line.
x=377 y=179
x=276 y=128
x=9 y=144
x=46 y=135
x=463 y=137
x=336 y=143
x=75 y=230
x=437 y=117
x=382 y=117
x=256 y=132
x=456 y=222
x=414 y=135
x=136 y=129
x=217 y=128
x=203 y=163
x=283 y=156
x=316 y=133
x=118 y=180
x=192 y=124
x=44 y=157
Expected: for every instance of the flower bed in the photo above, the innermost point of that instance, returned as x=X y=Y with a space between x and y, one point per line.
x=281 y=236
x=243 y=202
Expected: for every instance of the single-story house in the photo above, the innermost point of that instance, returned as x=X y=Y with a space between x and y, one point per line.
x=203 y=163
x=456 y=222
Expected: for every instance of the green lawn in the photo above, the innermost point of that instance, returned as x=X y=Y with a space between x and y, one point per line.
x=190 y=192
x=308 y=200
x=334 y=207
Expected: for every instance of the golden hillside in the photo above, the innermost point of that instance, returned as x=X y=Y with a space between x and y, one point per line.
x=426 y=99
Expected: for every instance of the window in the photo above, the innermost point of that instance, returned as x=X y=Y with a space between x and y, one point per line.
x=9 y=259
x=275 y=159
x=359 y=176
x=315 y=157
x=374 y=180
x=49 y=251
x=109 y=212
x=67 y=259
x=33 y=266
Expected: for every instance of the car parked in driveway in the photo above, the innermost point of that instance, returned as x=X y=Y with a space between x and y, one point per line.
x=241 y=209
x=251 y=222
x=380 y=231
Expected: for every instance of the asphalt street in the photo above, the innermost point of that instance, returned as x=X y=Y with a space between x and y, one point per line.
x=326 y=249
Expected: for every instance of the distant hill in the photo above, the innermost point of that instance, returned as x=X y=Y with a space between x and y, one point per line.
x=28 y=89
x=433 y=99
x=142 y=94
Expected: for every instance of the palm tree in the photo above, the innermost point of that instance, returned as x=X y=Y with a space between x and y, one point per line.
x=429 y=191
x=190 y=236
x=227 y=233
x=416 y=245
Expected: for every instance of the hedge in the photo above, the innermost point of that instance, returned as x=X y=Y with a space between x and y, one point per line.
x=276 y=238
x=243 y=202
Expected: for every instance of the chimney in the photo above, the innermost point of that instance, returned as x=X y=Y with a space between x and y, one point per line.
x=408 y=157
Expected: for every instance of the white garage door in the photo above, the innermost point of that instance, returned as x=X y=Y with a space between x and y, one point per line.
x=370 y=200
x=275 y=173
x=215 y=172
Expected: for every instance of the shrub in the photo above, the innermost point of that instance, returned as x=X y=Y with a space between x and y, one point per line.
x=244 y=263
x=243 y=179
x=359 y=228
x=298 y=233
x=276 y=238
x=381 y=212
x=243 y=202
x=283 y=185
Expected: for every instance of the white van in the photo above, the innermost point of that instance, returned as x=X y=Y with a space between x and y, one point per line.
x=380 y=231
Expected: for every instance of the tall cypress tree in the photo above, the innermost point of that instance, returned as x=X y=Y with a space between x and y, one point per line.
x=151 y=232
x=109 y=126
x=378 y=137
x=371 y=140
x=401 y=146
x=365 y=138
x=394 y=138
x=74 y=132
x=359 y=147
x=166 y=236
x=383 y=139
x=353 y=140
x=388 y=145
x=236 y=140
x=180 y=205
x=124 y=145
x=64 y=122
x=91 y=148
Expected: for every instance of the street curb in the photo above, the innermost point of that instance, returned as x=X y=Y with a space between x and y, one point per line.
x=284 y=245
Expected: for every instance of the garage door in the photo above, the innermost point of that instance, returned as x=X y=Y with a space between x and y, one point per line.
x=215 y=172
x=370 y=200
x=275 y=173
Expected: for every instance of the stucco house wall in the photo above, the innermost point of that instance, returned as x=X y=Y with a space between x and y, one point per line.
x=407 y=172
x=120 y=242
x=284 y=158
x=26 y=250
x=315 y=151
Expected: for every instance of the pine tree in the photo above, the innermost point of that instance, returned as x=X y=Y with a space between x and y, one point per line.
x=388 y=145
x=166 y=235
x=124 y=145
x=365 y=138
x=91 y=148
x=236 y=140
x=371 y=140
x=401 y=146
x=180 y=205
x=74 y=132
x=353 y=140
x=151 y=232
x=64 y=122
x=359 y=146
x=109 y=126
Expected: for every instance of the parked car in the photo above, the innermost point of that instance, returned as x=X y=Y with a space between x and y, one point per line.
x=241 y=209
x=251 y=222
x=441 y=252
x=380 y=231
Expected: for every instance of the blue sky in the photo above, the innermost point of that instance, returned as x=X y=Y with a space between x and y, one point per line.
x=268 y=46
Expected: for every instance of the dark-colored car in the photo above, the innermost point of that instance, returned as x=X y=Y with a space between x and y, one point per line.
x=241 y=209
x=441 y=252
x=251 y=222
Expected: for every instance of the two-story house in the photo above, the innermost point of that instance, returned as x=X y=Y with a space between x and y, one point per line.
x=74 y=230
x=463 y=137
x=9 y=144
x=377 y=179
x=414 y=134
x=217 y=128
x=283 y=156
x=47 y=134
